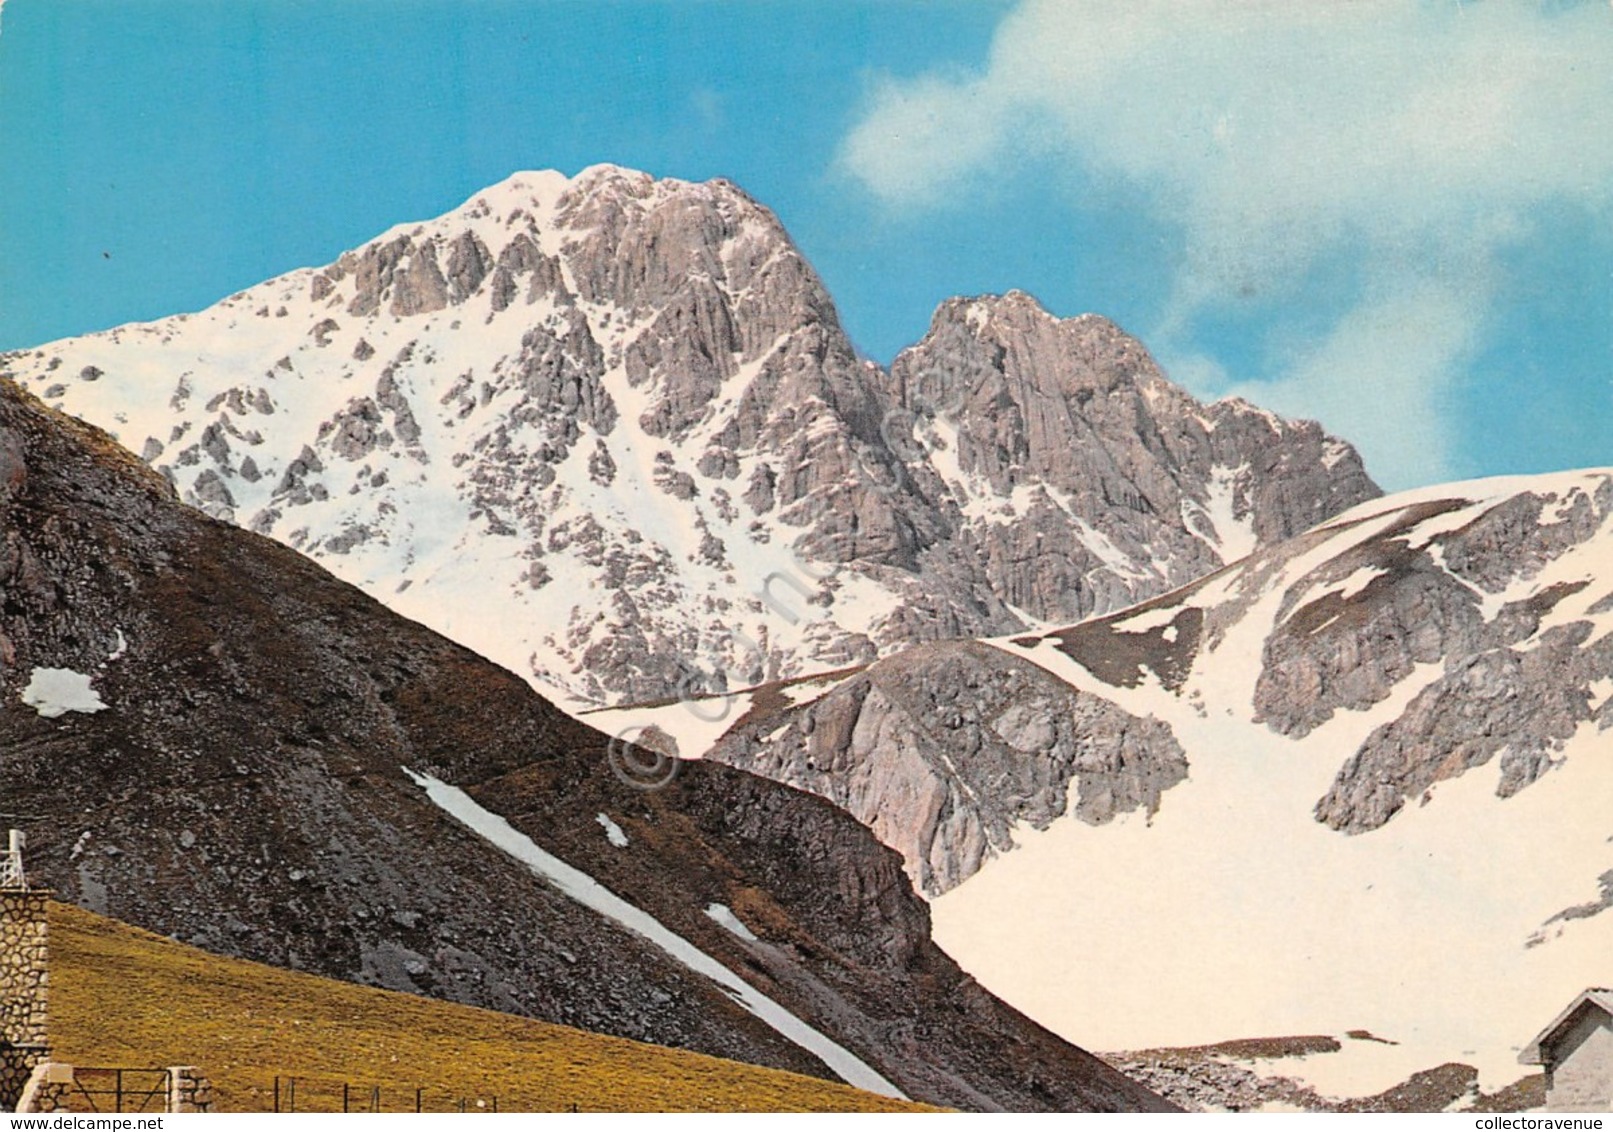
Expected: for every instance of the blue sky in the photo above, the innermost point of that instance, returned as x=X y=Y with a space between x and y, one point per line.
x=1393 y=215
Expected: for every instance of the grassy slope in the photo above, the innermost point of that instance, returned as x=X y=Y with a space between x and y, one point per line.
x=124 y=997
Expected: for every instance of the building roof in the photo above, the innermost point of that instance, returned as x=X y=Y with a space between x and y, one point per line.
x=1592 y=998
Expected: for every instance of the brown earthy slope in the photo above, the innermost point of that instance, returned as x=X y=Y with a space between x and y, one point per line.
x=244 y=791
x=125 y=997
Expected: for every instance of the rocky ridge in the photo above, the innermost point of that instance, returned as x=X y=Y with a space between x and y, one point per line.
x=944 y=748
x=609 y=432
x=1488 y=597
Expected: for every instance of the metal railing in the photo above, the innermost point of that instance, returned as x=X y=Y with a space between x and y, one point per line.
x=124 y=1090
x=329 y=1094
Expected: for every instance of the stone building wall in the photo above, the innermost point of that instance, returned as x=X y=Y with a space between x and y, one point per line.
x=1581 y=1080
x=24 y=990
x=48 y=1088
x=189 y=1090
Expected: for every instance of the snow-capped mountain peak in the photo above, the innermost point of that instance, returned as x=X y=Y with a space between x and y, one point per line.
x=607 y=431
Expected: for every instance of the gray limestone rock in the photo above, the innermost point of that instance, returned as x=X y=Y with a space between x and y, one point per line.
x=942 y=749
x=1514 y=685
x=1102 y=483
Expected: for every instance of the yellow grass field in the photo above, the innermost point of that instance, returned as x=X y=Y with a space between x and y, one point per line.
x=125 y=997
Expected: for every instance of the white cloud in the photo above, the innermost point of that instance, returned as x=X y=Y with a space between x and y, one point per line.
x=1420 y=135
x=1383 y=378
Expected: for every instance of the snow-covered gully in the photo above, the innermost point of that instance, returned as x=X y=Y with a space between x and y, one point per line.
x=587 y=891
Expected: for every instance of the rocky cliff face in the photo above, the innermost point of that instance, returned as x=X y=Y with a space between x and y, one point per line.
x=942 y=749
x=608 y=432
x=208 y=736
x=1088 y=481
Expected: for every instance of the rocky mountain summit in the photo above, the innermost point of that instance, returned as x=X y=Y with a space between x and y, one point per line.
x=1091 y=479
x=207 y=735
x=609 y=432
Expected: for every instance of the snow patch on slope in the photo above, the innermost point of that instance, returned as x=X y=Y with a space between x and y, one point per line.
x=613 y=832
x=53 y=692
x=588 y=892
x=1234 y=537
x=724 y=915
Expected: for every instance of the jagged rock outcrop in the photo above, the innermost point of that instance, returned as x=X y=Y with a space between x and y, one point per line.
x=1127 y=485
x=1493 y=599
x=943 y=749
x=1520 y=677
x=471 y=417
